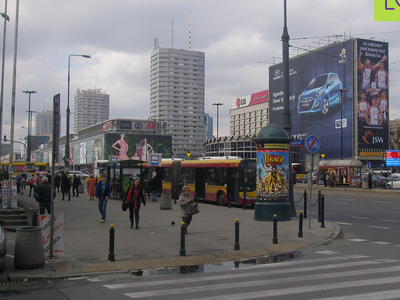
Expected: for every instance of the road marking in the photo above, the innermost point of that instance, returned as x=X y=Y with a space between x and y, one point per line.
x=393 y=221
x=384 y=202
x=342 y=223
x=335 y=202
x=363 y=218
x=348 y=199
x=392 y=294
x=328 y=252
x=379 y=227
x=382 y=243
x=357 y=240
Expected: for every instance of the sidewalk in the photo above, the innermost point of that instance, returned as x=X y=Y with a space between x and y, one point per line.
x=156 y=244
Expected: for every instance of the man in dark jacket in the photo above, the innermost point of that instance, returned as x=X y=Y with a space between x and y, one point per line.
x=43 y=192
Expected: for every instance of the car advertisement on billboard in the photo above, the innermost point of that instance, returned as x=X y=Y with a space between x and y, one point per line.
x=320 y=96
x=372 y=94
x=136 y=147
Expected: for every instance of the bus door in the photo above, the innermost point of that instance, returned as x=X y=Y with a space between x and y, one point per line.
x=232 y=186
x=200 y=183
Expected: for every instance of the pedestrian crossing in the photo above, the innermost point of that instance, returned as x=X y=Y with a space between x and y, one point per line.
x=326 y=277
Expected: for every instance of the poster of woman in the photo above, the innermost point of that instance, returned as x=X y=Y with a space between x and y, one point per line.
x=122 y=147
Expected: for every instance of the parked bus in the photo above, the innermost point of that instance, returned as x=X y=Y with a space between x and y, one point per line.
x=221 y=180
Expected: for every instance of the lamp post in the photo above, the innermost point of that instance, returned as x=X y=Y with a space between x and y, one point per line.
x=6 y=18
x=28 y=153
x=341 y=119
x=66 y=158
x=218 y=105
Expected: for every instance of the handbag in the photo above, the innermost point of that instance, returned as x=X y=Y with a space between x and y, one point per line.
x=124 y=206
x=31 y=181
x=194 y=210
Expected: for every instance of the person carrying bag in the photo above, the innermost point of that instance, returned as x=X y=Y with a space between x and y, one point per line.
x=188 y=208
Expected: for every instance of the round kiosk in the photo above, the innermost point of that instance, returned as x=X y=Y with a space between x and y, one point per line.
x=272 y=145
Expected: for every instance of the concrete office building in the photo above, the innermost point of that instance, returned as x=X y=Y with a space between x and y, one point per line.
x=177 y=97
x=44 y=122
x=90 y=107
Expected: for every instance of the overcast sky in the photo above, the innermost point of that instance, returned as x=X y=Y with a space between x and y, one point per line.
x=118 y=35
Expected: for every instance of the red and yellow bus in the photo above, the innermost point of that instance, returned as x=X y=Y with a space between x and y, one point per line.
x=28 y=167
x=222 y=180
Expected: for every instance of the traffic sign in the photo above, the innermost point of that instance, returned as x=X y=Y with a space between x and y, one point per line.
x=312 y=143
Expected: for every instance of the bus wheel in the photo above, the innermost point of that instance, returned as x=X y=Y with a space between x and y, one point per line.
x=220 y=198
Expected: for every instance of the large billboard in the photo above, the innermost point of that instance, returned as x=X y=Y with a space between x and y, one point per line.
x=134 y=146
x=372 y=95
x=249 y=100
x=317 y=81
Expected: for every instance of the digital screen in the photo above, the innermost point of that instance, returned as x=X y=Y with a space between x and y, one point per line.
x=393 y=158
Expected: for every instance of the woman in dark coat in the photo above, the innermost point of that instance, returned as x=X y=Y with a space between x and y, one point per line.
x=133 y=198
x=186 y=201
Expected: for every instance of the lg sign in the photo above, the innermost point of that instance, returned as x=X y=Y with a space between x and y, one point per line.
x=240 y=102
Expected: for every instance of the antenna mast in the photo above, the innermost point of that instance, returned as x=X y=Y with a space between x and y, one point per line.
x=190 y=37
x=172 y=38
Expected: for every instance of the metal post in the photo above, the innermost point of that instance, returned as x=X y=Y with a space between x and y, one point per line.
x=322 y=211
x=182 y=252
x=237 y=245
x=244 y=197
x=300 y=224
x=111 y=255
x=275 y=230
x=28 y=152
x=319 y=206
x=6 y=18
x=305 y=204
x=218 y=105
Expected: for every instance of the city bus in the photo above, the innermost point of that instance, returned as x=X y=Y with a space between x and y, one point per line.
x=29 y=168
x=220 y=180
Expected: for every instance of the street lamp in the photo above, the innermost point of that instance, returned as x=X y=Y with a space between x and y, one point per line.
x=341 y=120
x=28 y=153
x=6 y=18
x=66 y=158
x=218 y=105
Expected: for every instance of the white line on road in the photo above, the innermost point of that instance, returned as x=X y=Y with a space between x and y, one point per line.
x=363 y=218
x=384 y=202
x=342 y=223
x=393 y=221
x=379 y=227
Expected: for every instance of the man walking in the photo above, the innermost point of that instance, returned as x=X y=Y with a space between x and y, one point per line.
x=103 y=192
x=43 y=196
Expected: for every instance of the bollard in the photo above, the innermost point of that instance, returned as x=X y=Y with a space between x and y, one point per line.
x=111 y=255
x=275 y=238
x=300 y=224
x=305 y=204
x=182 y=252
x=319 y=206
x=322 y=211
x=237 y=245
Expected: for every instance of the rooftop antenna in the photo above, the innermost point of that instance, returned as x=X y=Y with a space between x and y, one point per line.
x=172 y=38
x=190 y=37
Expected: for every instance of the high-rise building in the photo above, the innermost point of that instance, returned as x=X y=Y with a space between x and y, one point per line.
x=177 y=97
x=44 y=122
x=90 y=107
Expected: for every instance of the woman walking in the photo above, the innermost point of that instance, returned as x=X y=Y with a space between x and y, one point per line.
x=185 y=201
x=91 y=183
x=133 y=198
x=103 y=192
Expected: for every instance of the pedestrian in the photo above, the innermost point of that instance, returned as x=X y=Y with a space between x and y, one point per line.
x=370 y=180
x=32 y=184
x=57 y=182
x=43 y=196
x=185 y=201
x=91 y=189
x=182 y=183
x=76 y=182
x=134 y=197
x=103 y=192
x=66 y=186
x=332 y=179
x=22 y=183
x=17 y=179
x=154 y=185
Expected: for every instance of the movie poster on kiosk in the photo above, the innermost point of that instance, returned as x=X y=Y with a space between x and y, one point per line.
x=272 y=174
x=372 y=94
x=317 y=80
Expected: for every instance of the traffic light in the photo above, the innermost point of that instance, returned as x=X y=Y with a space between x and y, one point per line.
x=5 y=138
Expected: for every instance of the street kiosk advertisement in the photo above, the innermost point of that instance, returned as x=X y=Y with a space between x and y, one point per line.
x=58 y=234
x=4 y=192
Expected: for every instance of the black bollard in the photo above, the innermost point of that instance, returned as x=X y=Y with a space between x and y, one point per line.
x=300 y=224
x=34 y=218
x=322 y=211
x=111 y=255
x=319 y=206
x=182 y=252
x=275 y=238
x=237 y=245
x=305 y=204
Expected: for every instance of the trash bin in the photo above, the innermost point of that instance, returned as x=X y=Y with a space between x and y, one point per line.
x=80 y=189
x=165 y=201
x=364 y=184
x=29 y=252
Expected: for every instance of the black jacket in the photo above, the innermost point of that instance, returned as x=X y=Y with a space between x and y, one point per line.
x=43 y=191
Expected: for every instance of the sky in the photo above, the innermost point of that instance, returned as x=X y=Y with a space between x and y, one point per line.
x=241 y=40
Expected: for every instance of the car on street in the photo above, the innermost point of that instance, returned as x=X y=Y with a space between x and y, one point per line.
x=321 y=93
x=378 y=181
x=393 y=183
x=3 y=246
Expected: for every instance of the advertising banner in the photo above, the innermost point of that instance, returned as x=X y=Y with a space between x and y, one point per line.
x=373 y=95
x=272 y=173
x=4 y=193
x=58 y=234
x=317 y=80
x=136 y=147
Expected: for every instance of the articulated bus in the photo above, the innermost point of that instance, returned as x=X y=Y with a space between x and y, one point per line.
x=222 y=180
x=28 y=167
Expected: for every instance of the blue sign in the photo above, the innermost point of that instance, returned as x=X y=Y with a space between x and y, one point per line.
x=296 y=143
x=312 y=143
x=392 y=158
